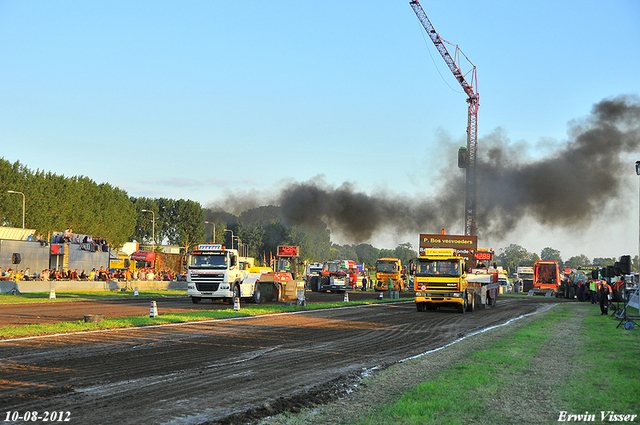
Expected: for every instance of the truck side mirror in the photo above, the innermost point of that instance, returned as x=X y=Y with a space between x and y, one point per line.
x=233 y=260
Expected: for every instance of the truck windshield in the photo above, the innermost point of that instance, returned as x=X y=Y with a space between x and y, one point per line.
x=440 y=268
x=578 y=277
x=332 y=267
x=208 y=261
x=386 y=267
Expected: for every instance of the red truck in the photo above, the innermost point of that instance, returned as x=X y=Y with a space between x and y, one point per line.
x=546 y=278
x=338 y=276
x=158 y=261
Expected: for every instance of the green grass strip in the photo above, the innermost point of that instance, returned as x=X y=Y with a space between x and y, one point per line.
x=125 y=322
x=606 y=376
x=62 y=295
x=606 y=371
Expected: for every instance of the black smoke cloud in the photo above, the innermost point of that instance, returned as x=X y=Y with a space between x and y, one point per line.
x=359 y=216
x=566 y=188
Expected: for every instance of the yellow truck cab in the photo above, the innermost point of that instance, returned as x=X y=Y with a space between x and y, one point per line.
x=389 y=271
x=440 y=281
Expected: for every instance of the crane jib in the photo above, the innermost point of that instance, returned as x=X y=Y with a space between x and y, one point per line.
x=472 y=124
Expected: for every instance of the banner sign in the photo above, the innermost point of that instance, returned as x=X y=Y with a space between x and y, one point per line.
x=461 y=245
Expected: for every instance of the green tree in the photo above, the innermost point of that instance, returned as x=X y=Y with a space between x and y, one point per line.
x=367 y=254
x=577 y=261
x=386 y=253
x=405 y=253
x=550 y=254
x=603 y=262
x=515 y=256
x=185 y=225
x=54 y=203
x=345 y=252
x=144 y=227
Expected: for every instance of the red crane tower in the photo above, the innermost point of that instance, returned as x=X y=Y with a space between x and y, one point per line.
x=472 y=124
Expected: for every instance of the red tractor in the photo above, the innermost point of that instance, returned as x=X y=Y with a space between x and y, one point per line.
x=337 y=276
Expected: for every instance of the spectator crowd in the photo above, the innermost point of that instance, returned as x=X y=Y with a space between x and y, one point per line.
x=101 y=274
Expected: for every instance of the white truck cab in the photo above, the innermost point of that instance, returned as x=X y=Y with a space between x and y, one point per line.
x=215 y=272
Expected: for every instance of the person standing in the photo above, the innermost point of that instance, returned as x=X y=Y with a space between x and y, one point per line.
x=593 y=291
x=603 y=294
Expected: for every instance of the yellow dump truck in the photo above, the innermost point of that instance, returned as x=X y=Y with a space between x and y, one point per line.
x=121 y=263
x=389 y=271
x=440 y=280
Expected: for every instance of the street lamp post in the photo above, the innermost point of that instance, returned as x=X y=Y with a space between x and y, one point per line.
x=213 y=235
x=227 y=230
x=13 y=191
x=238 y=241
x=153 y=227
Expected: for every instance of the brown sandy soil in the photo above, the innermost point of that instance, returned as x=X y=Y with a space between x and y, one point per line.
x=534 y=400
x=226 y=371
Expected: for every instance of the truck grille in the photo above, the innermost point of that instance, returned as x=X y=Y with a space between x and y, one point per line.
x=207 y=280
x=207 y=287
x=441 y=286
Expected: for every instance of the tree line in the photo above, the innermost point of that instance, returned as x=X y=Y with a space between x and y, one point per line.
x=54 y=203
x=514 y=256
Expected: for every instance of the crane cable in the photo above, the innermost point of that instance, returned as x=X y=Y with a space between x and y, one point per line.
x=433 y=60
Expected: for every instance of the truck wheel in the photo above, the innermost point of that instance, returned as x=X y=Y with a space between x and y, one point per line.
x=462 y=307
x=236 y=294
x=471 y=306
x=257 y=296
x=492 y=302
x=420 y=306
x=196 y=300
x=572 y=293
x=314 y=283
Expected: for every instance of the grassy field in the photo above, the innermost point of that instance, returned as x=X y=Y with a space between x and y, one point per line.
x=568 y=361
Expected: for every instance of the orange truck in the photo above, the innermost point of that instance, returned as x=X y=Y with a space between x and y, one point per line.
x=546 y=278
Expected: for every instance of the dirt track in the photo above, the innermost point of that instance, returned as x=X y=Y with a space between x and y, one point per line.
x=204 y=372
x=59 y=310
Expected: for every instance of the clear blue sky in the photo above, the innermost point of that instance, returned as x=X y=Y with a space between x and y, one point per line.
x=202 y=99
